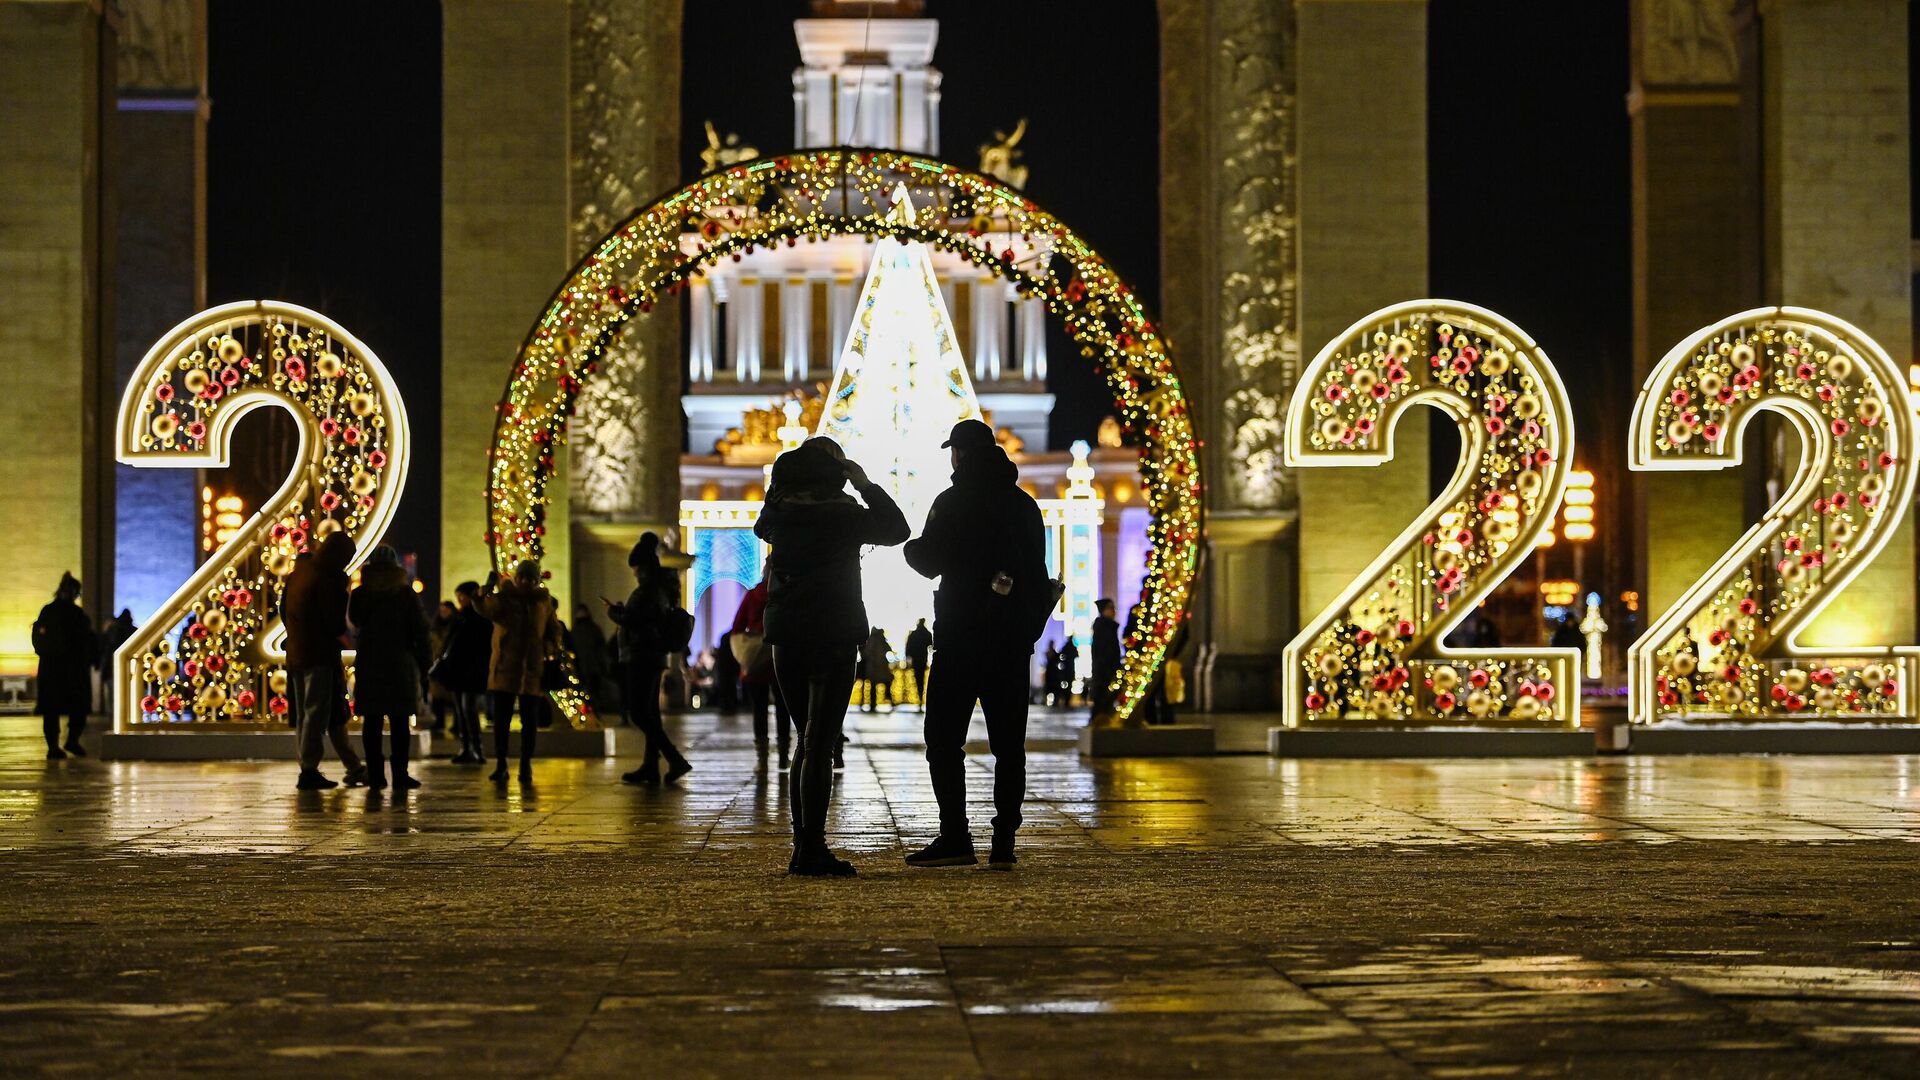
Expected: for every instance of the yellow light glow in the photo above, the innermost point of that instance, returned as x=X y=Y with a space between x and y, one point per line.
x=1582 y=515
x=1578 y=531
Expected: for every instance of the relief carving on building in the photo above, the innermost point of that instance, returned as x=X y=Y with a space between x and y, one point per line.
x=1259 y=314
x=625 y=118
x=1687 y=43
x=159 y=45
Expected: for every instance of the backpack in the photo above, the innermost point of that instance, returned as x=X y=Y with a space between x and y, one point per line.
x=676 y=630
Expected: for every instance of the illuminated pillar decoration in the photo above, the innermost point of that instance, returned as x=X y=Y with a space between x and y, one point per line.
x=211 y=655
x=1729 y=647
x=899 y=386
x=803 y=197
x=1376 y=655
x=1593 y=626
x=1083 y=511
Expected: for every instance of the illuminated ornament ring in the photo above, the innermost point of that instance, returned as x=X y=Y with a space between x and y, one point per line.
x=801 y=198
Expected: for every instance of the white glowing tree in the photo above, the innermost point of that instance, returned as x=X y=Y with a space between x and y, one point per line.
x=899 y=385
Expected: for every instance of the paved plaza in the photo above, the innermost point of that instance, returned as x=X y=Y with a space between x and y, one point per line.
x=1236 y=915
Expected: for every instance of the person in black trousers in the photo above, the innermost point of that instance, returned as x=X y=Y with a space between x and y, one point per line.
x=985 y=541
x=1106 y=658
x=816 y=618
x=63 y=639
x=390 y=649
x=526 y=630
x=919 y=645
x=643 y=658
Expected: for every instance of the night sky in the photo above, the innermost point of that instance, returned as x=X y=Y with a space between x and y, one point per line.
x=324 y=178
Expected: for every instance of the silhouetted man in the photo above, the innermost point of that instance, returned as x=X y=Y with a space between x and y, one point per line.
x=985 y=542
x=919 y=645
x=1106 y=658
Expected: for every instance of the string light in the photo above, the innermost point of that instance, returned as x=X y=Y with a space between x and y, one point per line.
x=804 y=197
x=1377 y=653
x=1729 y=646
x=211 y=654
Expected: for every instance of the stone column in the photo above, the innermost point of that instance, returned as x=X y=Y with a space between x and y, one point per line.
x=628 y=429
x=1838 y=223
x=1229 y=298
x=1363 y=245
x=505 y=242
x=159 y=270
x=1696 y=257
x=56 y=90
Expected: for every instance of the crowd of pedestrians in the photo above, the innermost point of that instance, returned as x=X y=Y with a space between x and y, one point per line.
x=799 y=644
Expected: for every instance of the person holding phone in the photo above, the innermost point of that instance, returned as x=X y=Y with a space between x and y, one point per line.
x=816 y=618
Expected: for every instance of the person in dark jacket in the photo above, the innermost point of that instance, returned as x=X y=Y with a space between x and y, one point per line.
x=1069 y=671
x=439 y=630
x=390 y=650
x=749 y=637
x=875 y=669
x=589 y=644
x=816 y=618
x=114 y=635
x=643 y=658
x=526 y=630
x=63 y=640
x=463 y=670
x=919 y=646
x=985 y=541
x=314 y=609
x=1106 y=658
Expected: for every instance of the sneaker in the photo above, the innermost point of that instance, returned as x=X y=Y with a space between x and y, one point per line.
x=406 y=783
x=76 y=749
x=313 y=781
x=356 y=776
x=526 y=772
x=499 y=774
x=376 y=781
x=54 y=753
x=820 y=862
x=464 y=757
x=641 y=778
x=677 y=770
x=945 y=851
x=1002 y=857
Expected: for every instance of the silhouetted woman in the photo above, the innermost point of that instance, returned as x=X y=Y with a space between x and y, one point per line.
x=63 y=639
x=642 y=640
x=525 y=632
x=816 y=619
x=390 y=651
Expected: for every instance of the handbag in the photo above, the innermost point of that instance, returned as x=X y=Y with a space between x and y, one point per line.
x=750 y=650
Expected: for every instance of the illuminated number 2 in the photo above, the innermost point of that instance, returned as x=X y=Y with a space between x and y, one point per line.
x=1376 y=654
x=211 y=654
x=1728 y=647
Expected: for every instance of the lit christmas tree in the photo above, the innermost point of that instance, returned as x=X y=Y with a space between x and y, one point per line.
x=899 y=385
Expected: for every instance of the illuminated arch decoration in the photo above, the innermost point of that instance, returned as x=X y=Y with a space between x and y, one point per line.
x=211 y=656
x=1376 y=655
x=800 y=198
x=1729 y=647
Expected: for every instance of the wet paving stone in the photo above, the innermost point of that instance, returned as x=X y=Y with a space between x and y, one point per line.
x=1232 y=916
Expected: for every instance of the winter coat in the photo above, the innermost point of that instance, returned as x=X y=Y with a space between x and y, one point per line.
x=469 y=652
x=63 y=639
x=981 y=526
x=314 y=606
x=813 y=573
x=639 y=638
x=525 y=633
x=1106 y=648
x=919 y=642
x=874 y=665
x=390 y=642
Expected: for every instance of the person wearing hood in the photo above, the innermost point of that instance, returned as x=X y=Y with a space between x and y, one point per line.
x=390 y=642
x=314 y=610
x=1106 y=658
x=642 y=641
x=63 y=640
x=816 y=618
x=985 y=542
x=526 y=630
